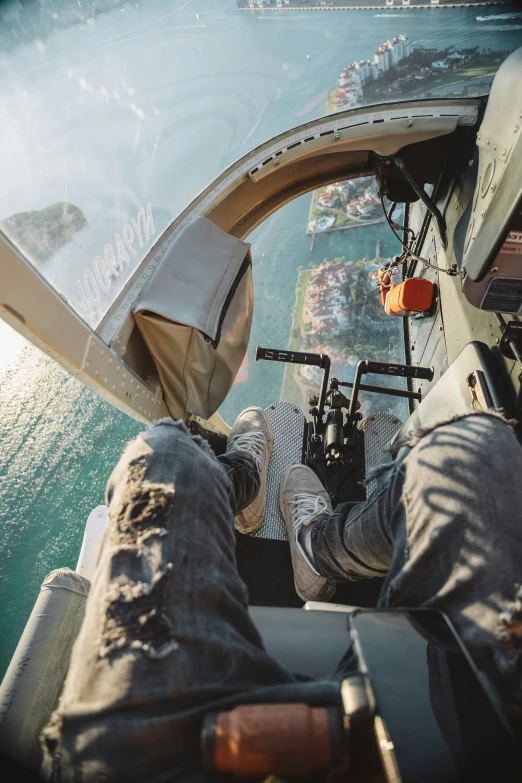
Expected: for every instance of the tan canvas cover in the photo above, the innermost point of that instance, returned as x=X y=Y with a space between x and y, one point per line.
x=195 y=317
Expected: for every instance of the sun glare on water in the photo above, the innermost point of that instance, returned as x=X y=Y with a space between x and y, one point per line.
x=11 y=345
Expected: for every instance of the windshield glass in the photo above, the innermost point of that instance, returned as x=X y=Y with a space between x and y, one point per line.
x=315 y=269
x=116 y=114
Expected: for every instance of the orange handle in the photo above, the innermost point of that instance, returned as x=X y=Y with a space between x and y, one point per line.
x=278 y=739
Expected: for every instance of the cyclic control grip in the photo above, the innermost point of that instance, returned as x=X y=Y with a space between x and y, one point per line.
x=399 y=370
x=293 y=357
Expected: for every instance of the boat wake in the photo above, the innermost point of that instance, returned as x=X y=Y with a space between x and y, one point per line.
x=492 y=18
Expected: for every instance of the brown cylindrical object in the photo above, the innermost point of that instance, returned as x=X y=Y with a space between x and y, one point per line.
x=279 y=739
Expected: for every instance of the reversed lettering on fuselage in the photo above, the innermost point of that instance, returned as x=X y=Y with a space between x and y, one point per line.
x=97 y=280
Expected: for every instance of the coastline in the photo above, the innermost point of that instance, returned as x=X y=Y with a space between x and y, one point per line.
x=292 y=389
x=335 y=303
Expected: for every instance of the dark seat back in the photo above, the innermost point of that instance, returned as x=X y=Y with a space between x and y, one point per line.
x=305 y=642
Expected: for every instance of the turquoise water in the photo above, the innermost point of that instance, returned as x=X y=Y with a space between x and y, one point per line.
x=210 y=88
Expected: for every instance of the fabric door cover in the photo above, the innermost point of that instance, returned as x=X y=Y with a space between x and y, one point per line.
x=195 y=317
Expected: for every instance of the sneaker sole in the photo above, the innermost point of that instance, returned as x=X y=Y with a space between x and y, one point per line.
x=252 y=528
x=283 y=482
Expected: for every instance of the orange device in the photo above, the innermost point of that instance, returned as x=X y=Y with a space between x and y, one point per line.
x=256 y=740
x=414 y=295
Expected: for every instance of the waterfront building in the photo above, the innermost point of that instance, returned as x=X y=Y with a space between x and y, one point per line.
x=399 y=46
x=408 y=46
x=397 y=49
x=363 y=69
x=382 y=59
x=374 y=70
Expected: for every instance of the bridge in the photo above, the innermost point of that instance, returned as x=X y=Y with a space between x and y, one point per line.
x=357 y=5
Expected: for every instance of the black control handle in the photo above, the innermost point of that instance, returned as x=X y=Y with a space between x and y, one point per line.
x=297 y=357
x=399 y=370
x=366 y=367
x=292 y=357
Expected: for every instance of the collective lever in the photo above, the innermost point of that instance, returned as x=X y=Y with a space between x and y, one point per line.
x=297 y=357
x=366 y=367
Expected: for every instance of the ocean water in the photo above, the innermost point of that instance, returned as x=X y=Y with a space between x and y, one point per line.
x=203 y=84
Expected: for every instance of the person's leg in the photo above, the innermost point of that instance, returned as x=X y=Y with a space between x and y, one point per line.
x=443 y=526
x=250 y=445
x=167 y=635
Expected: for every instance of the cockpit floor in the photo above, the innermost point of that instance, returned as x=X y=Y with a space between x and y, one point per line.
x=265 y=566
x=263 y=558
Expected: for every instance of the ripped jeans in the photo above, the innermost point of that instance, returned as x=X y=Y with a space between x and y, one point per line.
x=167 y=636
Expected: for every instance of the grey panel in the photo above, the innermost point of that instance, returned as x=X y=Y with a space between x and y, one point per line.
x=434 y=356
x=305 y=642
x=451 y=395
x=421 y=328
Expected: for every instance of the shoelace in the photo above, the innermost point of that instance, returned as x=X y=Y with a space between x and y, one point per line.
x=251 y=442
x=306 y=509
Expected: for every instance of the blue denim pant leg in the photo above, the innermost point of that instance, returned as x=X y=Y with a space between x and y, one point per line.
x=167 y=635
x=444 y=526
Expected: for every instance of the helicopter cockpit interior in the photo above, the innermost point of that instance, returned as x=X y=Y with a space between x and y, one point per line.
x=174 y=333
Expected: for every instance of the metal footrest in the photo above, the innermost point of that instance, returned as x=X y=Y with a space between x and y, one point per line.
x=288 y=424
x=379 y=429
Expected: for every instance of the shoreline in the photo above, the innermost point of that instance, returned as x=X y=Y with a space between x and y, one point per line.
x=346 y=228
x=288 y=392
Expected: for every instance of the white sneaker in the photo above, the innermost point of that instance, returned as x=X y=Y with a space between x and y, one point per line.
x=252 y=434
x=302 y=499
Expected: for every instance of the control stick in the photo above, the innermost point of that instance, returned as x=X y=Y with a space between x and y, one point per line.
x=297 y=357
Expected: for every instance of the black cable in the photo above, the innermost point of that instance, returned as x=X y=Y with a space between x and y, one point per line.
x=410 y=253
x=500 y=320
x=398 y=226
x=427 y=215
x=426 y=200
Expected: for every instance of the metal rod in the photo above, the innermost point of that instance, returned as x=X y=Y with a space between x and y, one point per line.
x=385 y=390
x=500 y=320
x=297 y=357
x=426 y=200
x=353 y=400
x=322 y=397
x=516 y=353
x=382 y=368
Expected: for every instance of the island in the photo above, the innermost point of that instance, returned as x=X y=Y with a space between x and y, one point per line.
x=399 y=69
x=350 y=204
x=338 y=312
x=41 y=233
